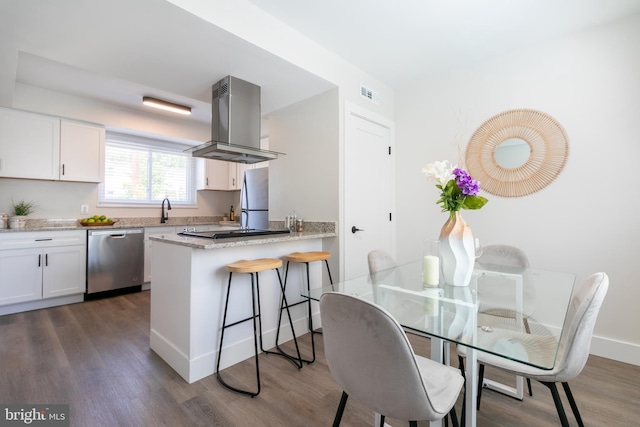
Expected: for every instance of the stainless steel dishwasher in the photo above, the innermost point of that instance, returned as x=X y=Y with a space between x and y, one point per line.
x=115 y=259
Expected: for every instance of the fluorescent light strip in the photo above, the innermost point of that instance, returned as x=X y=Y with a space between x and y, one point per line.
x=164 y=105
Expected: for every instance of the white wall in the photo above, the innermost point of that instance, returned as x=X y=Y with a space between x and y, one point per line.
x=583 y=222
x=63 y=199
x=306 y=179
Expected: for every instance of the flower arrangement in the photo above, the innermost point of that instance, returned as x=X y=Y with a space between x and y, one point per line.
x=459 y=190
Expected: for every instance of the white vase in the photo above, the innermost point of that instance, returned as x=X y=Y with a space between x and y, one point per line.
x=457 y=251
x=17 y=221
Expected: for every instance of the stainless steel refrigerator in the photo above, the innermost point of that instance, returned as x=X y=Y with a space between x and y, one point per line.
x=254 y=199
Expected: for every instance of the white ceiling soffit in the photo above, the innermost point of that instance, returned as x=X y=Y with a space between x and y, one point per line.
x=119 y=50
x=399 y=41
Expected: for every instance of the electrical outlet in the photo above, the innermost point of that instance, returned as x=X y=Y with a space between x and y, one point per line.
x=84 y=209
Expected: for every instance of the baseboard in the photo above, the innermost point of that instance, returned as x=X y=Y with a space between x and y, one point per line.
x=170 y=354
x=617 y=350
x=41 y=303
x=192 y=370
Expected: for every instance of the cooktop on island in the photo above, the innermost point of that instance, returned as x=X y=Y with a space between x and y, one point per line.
x=226 y=234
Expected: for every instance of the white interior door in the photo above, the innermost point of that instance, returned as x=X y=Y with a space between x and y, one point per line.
x=369 y=183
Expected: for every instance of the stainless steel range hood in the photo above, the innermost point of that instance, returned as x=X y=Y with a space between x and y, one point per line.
x=235 y=124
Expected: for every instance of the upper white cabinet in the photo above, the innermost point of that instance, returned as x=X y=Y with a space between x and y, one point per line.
x=37 y=146
x=81 y=152
x=29 y=145
x=236 y=174
x=215 y=175
x=221 y=175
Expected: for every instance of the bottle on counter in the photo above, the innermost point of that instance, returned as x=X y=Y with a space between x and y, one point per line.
x=232 y=215
x=290 y=221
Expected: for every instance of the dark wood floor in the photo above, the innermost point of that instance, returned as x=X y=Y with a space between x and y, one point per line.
x=95 y=356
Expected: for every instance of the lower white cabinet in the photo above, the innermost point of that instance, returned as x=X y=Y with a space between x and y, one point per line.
x=64 y=270
x=36 y=265
x=20 y=275
x=147 y=246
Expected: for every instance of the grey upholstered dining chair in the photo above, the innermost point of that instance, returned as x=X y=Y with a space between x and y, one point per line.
x=371 y=358
x=573 y=349
x=496 y=301
x=379 y=260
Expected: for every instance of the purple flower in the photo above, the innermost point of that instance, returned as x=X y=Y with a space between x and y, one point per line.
x=465 y=183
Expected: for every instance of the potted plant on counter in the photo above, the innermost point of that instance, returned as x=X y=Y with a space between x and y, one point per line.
x=20 y=212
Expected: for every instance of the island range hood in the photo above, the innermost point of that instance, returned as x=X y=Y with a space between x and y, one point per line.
x=235 y=124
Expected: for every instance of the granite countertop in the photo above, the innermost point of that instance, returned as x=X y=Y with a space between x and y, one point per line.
x=204 y=243
x=36 y=224
x=313 y=230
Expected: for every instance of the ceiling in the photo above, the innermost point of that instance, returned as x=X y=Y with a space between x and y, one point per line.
x=120 y=50
x=399 y=41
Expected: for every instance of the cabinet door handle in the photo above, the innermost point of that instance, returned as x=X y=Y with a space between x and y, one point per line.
x=207 y=181
x=46 y=260
x=39 y=260
x=63 y=169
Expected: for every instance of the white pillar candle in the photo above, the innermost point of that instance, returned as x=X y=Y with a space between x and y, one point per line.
x=431 y=270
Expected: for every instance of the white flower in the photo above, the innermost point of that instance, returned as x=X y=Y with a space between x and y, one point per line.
x=440 y=172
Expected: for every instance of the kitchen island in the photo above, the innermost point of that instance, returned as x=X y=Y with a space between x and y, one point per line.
x=189 y=288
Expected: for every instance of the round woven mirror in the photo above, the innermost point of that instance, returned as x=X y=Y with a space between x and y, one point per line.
x=517 y=152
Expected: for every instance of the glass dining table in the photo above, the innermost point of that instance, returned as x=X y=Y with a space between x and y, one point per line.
x=512 y=312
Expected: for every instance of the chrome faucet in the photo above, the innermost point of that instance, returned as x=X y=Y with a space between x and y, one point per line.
x=164 y=217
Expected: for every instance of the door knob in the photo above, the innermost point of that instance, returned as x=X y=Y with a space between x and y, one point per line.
x=354 y=229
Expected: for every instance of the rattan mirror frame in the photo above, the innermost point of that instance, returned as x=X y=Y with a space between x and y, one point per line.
x=548 y=144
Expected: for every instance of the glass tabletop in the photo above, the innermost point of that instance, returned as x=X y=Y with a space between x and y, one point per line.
x=511 y=312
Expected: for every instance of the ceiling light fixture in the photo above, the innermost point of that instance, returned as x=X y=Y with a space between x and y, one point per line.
x=165 y=105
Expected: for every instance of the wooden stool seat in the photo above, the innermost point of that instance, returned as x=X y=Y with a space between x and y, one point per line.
x=308 y=256
x=254 y=265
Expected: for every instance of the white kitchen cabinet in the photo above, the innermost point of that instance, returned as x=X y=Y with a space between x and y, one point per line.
x=215 y=175
x=38 y=146
x=81 y=152
x=147 y=246
x=64 y=270
x=29 y=145
x=221 y=175
x=236 y=174
x=20 y=275
x=36 y=265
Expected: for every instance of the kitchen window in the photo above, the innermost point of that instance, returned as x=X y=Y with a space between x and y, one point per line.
x=143 y=171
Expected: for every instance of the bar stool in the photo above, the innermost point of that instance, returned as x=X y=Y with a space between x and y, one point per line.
x=304 y=258
x=253 y=267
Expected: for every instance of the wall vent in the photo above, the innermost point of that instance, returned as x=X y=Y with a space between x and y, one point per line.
x=369 y=94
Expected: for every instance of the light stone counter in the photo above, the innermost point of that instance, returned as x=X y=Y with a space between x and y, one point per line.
x=203 y=243
x=49 y=224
